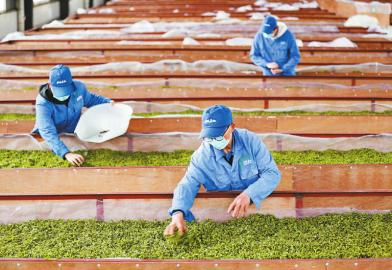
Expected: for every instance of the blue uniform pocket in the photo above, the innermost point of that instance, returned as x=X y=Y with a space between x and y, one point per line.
x=248 y=168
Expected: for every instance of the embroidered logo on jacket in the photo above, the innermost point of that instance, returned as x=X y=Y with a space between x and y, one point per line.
x=247 y=162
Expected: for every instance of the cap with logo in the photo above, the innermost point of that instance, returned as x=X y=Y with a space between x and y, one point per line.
x=215 y=121
x=270 y=23
x=60 y=79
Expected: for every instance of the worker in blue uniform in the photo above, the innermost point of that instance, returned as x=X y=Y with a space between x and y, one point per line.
x=275 y=49
x=229 y=158
x=58 y=109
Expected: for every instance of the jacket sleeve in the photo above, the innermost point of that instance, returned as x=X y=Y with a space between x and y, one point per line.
x=91 y=99
x=294 y=54
x=255 y=53
x=186 y=191
x=48 y=131
x=269 y=175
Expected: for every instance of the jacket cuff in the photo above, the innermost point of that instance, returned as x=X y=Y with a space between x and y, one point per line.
x=188 y=216
x=284 y=68
x=63 y=152
x=176 y=211
x=253 y=197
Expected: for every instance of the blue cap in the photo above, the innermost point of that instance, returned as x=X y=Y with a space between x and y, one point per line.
x=215 y=121
x=60 y=79
x=270 y=23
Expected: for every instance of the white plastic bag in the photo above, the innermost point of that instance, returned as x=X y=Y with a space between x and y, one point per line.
x=104 y=122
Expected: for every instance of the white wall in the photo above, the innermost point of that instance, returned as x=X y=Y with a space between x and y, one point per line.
x=46 y=13
x=8 y=22
x=2 y=6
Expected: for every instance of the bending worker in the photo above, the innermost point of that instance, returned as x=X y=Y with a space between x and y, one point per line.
x=58 y=108
x=228 y=159
x=275 y=49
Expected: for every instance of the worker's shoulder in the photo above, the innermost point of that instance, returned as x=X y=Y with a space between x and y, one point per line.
x=258 y=36
x=40 y=100
x=259 y=33
x=248 y=138
x=204 y=151
x=288 y=34
x=79 y=85
x=246 y=134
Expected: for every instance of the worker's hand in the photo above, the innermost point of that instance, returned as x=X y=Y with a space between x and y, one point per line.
x=239 y=207
x=177 y=222
x=74 y=159
x=272 y=65
x=276 y=71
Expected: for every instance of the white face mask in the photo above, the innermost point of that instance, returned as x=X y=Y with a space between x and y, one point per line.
x=219 y=144
x=267 y=35
x=62 y=98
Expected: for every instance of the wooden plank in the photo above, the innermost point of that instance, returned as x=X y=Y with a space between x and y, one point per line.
x=19 y=126
x=134 y=180
x=334 y=124
x=261 y=124
x=193 y=124
x=172 y=89
x=320 y=205
x=342 y=178
x=360 y=264
x=90 y=180
x=163 y=180
x=130 y=264
x=290 y=103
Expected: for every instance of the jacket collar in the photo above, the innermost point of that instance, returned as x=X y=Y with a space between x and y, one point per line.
x=282 y=29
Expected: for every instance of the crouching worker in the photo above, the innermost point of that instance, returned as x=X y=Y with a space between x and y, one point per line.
x=275 y=49
x=228 y=159
x=58 y=108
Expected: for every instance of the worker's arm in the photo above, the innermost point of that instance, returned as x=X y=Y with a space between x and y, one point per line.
x=91 y=99
x=184 y=196
x=269 y=175
x=256 y=53
x=186 y=191
x=48 y=131
x=294 y=56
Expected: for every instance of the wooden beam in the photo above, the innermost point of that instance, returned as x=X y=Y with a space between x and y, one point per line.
x=163 y=180
x=133 y=264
